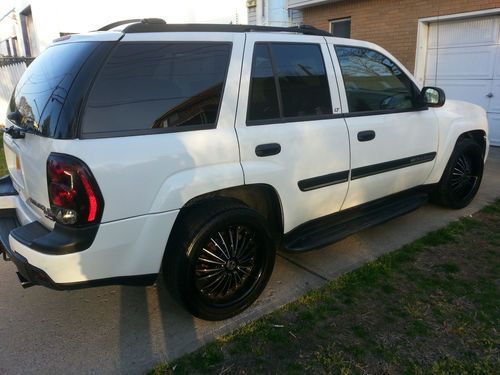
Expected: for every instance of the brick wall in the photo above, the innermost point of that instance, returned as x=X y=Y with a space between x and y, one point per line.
x=390 y=23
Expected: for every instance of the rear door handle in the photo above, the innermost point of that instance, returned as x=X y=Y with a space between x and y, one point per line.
x=366 y=135
x=268 y=149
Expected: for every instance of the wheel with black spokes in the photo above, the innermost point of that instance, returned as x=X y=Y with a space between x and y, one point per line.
x=462 y=176
x=224 y=261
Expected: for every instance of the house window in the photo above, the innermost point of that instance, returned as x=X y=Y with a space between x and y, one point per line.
x=341 y=28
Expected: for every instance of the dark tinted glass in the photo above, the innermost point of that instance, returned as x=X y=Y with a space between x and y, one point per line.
x=341 y=29
x=373 y=82
x=43 y=89
x=263 y=102
x=156 y=86
x=302 y=79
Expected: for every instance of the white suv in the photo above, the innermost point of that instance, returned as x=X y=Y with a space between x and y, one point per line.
x=204 y=148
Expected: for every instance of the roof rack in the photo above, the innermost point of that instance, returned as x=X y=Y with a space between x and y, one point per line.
x=118 y=23
x=148 y=21
x=149 y=25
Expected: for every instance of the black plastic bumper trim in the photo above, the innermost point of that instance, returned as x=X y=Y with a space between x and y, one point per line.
x=61 y=240
x=6 y=186
x=35 y=276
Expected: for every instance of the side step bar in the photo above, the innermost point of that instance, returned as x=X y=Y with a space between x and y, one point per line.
x=320 y=232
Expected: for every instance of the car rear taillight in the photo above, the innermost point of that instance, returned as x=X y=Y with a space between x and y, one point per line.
x=75 y=198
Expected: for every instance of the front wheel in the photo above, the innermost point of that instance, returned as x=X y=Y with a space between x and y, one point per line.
x=219 y=260
x=461 y=177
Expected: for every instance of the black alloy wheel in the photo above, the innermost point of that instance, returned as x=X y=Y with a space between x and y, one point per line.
x=219 y=259
x=465 y=176
x=462 y=176
x=229 y=265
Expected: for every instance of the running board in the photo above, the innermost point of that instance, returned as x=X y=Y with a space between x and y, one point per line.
x=324 y=231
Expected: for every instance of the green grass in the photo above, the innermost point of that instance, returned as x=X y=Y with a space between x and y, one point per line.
x=3 y=166
x=431 y=307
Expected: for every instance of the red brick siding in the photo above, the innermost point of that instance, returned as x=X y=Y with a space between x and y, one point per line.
x=390 y=23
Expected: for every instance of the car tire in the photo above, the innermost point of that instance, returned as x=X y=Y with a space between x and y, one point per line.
x=461 y=177
x=219 y=258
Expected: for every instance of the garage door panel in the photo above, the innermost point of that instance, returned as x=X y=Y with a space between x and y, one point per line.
x=461 y=63
x=494 y=122
x=469 y=91
x=460 y=33
x=463 y=58
x=495 y=99
x=497 y=64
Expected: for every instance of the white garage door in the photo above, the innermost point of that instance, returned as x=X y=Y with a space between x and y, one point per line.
x=463 y=58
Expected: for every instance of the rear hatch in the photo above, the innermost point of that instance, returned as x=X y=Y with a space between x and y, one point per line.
x=46 y=105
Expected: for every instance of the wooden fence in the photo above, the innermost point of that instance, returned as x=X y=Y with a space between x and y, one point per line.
x=9 y=75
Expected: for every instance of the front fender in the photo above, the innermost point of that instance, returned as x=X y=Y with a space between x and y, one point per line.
x=456 y=118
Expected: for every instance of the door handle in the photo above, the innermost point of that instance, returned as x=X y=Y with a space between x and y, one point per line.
x=268 y=149
x=366 y=135
x=489 y=95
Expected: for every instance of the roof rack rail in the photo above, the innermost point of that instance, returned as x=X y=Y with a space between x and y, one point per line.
x=118 y=23
x=158 y=25
x=301 y=29
x=133 y=20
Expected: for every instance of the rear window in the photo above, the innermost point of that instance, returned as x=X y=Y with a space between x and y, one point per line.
x=156 y=87
x=42 y=91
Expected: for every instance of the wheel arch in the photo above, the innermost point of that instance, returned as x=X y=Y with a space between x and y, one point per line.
x=478 y=136
x=263 y=198
x=446 y=149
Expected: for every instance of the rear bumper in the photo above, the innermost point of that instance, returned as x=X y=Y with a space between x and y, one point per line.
x=29 y=275
x=123 y=252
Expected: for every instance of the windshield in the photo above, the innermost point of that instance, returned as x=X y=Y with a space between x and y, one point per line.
x=42 y=91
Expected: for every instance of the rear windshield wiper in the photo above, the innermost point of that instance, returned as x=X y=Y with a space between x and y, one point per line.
x=15 y=131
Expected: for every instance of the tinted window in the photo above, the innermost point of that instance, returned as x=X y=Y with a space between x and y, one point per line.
x=263 y=102
x=373 y=82
x=43 y=89
x=341 y=28
x=154 y=86
x=302 y=79
x=302 y=86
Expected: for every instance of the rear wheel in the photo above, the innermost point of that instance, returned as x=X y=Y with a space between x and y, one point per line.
x=219 y=259
x=462 y=176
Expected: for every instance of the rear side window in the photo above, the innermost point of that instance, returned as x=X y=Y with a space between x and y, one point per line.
x=373 y=82
x=263 y=96
x=156 y=87
x=288 y=82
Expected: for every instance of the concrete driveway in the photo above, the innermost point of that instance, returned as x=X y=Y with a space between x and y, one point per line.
x=128 y=330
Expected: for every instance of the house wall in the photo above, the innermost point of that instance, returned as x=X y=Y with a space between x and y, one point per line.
x=44 y=25
x=273 y=13
x=390 y=23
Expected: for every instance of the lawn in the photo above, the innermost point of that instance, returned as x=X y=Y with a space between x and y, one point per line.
x=431 y=307
x=3 y=166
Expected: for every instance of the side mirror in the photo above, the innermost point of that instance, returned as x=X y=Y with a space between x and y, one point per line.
x=433 y=96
